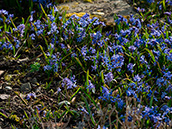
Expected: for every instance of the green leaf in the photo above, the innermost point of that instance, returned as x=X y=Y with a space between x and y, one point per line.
x=89 y=97
x=43 y=52
x=89 y=111
x=80 y=64
x=151 y=53
x=87 y=80
x=75 y=93
x=152 y=97
x=3 y=115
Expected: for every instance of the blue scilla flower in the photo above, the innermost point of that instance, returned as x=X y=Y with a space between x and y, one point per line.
x=155 y=33
x=131 y=92
x=58 y=90
x=43 y=2
x=169 y=88
x=150 y=1
x=30 y=96
x=168 y=75
x=99 y=127
x=117 y=61
x=67 y=82
x=83 y=22
x=84 y=50
x=137 y=23
x=53 y=29
x=105 y=91
x=47 y=68
x=90 y=86
x=137 y=78
x=96 y=36
x=142 y=60
x=20 y=28
x=51 y=17
x=38 y=24
x=32 y=36
x=160 y=81
x=92 y=50
x=2 y=11
x=169 y=57
x=132 y=48
x=130 y=67
x=108 y=77
x=121 y=19
x=118 y=48
x=94 y=67
x=85 y=16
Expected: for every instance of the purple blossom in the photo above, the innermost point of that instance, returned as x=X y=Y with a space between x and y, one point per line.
x=132 y=48
x=58 y=90
x=167 y=13
x=32 y=36
x=109 y=77
x=84 y=50
x=130 y=67
x=2 y=11
x=90 y=86
x=47 y=68
x=30 y=95
x=137 y=78
x=142 y=60
x=67 y=82
x=117 y=61
x=53 y=29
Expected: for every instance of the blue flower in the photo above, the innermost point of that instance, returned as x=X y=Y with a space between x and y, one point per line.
x=109 y=77
x=58 y=90
x=137 y=78
x=67 y=82
x=150 y=1
x=2 y=11
x=30 y=95
x=32 y=36
x=105 y=91
x=132 y=48
x=84 y=50
x=142 y=60
x=117 y=61
x=53 y=29
x=90 y=86
x=130 y=67
x=47 y=68
x=169 y=57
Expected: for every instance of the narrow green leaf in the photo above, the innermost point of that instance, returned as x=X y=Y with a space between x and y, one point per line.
x=75 y=93
x=152 y=97
x=43 y=52
x=89 y=97
x=151 y=53
x=87 y=82
x=3 y=115
x=80 y=64
x=89 y=111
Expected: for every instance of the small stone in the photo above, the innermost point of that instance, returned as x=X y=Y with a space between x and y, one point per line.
x=1 y=72
x=34 y=80
x=99 y=10
x=4 y=96
x=98 y=13
x=38 y=90
x=8 y=88
x=26 y=87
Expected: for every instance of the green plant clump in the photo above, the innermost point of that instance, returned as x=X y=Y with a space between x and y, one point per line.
x=70 y=72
